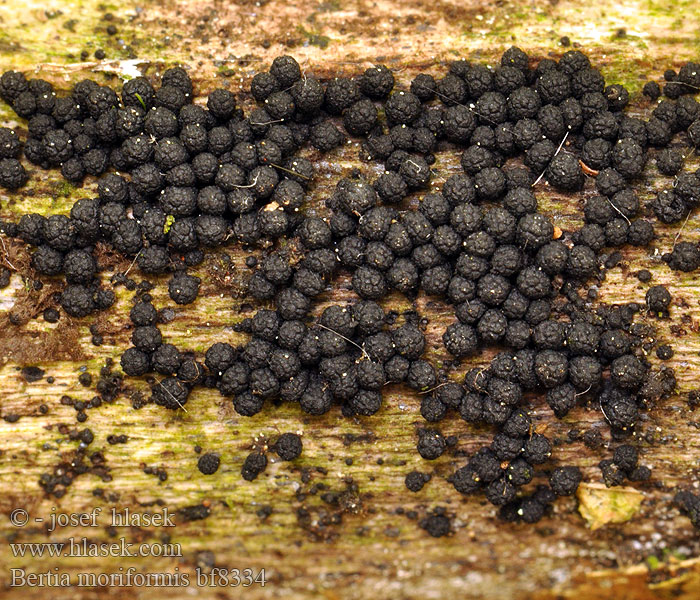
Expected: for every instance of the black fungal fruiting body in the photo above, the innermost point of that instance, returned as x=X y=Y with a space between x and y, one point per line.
x=658 y=299
x=254 y=464
x=288 y=446
x=416 y=480
x=689 y=505
x=565 y=480
x=208 y=463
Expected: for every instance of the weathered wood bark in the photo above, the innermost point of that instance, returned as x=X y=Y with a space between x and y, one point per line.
x=364 y=545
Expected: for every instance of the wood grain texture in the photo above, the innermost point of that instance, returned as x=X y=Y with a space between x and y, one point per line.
x=360 y=547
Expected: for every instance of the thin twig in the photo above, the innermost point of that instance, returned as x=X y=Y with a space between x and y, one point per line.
x=690 y=154
x=160 y=383
x=623 y=215
x=268 y=122
x=290 y=171
x=476 y=376
x=588 y=389
x=690 y=85
x=600 y=404
x=435 y=388
x=561 y=145
x=675 y=239
x=340 y=335
x=6 y=254
x=418 y=167
x=250 y=185
x=133 y=262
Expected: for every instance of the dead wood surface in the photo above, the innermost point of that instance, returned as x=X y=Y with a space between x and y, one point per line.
x=375 y=550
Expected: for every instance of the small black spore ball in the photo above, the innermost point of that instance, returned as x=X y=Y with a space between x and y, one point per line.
x=651 y=90
x=10 y=146
x=431 y=444
x=171 y=393
x=437 y=525
x=183 y=288
x=565 y=480
x=285 y=70
x=537 y=449
x=658 y=299
x=264 y=383
x=135 y=362
x=689 y=505
x=166 y=359
x=377 y=82
x=613 y=475
x=288 y=446
x=208 y=463
x=360 y=118
x=254 y=464
x=219 y=358
x=684 y=257
x=564 y=172
x=626 y=457
x=77 y=301
x=12 y=174
x=415 y=480
x=664 y=352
